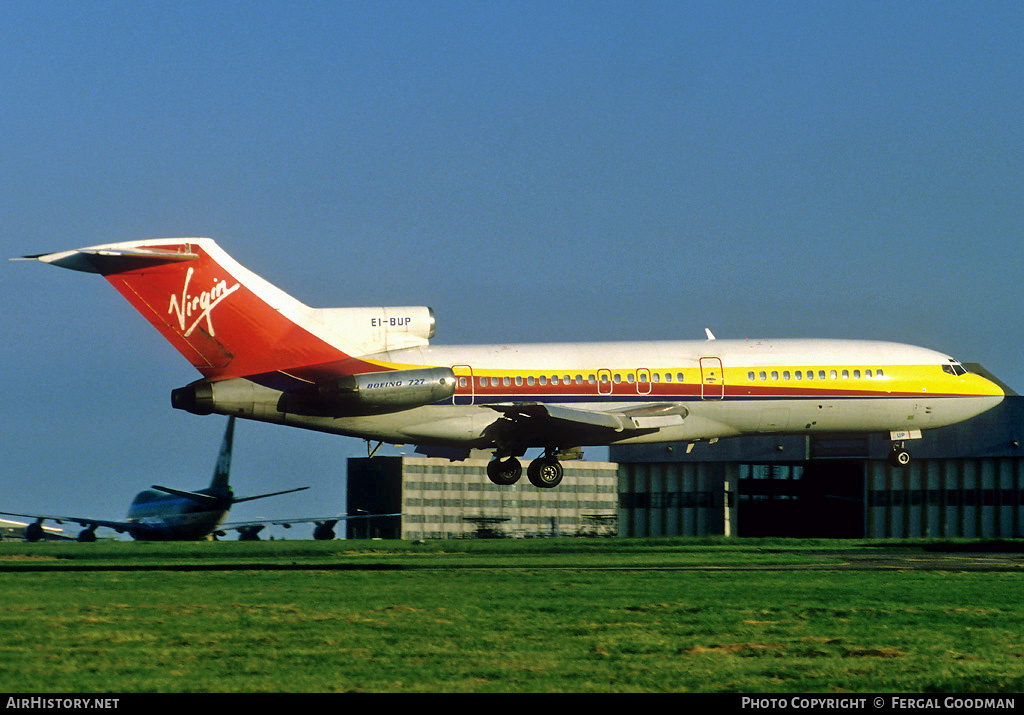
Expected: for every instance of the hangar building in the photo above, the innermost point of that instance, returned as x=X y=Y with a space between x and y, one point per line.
x=966 y=480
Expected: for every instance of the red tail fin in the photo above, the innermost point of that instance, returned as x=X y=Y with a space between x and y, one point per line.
x=225 y=320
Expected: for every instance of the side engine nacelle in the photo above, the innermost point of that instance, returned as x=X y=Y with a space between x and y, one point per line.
x=386 y=391
x=348 y=395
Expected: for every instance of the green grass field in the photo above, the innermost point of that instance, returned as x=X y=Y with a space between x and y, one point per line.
x=512 y=616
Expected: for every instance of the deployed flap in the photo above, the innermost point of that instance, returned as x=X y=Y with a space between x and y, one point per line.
x=643 y=418
x=538 y=410
x=657 y=416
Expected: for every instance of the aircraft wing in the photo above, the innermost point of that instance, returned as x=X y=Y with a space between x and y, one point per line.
x=9 y=527
x=526 y=421
x=249 y=530
x=89 y=524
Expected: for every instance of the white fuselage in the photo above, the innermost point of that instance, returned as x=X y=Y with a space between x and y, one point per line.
x=728 y=388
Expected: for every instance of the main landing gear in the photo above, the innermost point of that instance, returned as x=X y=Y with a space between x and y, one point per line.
x=544 y=472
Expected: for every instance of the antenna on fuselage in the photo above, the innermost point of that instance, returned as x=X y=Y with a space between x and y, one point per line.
x=711 y=336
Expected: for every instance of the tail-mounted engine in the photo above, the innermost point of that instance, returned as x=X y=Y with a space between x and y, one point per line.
x=348 y=395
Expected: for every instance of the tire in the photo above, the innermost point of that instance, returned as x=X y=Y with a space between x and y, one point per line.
x=504 y=472
x=545 y=473
x=899 y=457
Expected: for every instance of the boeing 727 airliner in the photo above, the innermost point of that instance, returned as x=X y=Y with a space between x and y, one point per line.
x=372 y=373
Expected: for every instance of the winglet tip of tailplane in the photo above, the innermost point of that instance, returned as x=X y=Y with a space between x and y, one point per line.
x=115 y=256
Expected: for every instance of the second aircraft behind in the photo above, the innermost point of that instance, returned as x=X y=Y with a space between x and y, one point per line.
x=166 y=514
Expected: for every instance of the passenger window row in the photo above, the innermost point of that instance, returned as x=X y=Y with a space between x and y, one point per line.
x=833 y=374
x=591 y=379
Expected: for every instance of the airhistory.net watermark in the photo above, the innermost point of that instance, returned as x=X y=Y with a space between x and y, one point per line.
x=47 y=703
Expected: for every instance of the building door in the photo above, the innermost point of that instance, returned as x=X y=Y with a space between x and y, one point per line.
x=817 y=499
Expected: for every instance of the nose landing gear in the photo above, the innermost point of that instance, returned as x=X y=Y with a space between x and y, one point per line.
x=899 y=456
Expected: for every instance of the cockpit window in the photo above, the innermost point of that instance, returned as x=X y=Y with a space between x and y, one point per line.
x=954 y=368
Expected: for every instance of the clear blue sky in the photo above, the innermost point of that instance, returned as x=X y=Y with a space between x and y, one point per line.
x=531 y=170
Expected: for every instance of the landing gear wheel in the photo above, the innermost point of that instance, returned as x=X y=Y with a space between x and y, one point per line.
x=87 y=536
x=34 y=531
x=899 y=457
x=504 y=472
x=545 y=472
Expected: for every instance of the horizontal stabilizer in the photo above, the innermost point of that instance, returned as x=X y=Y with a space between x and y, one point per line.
x=264 y=496
x=108 y=261
x=193 y=496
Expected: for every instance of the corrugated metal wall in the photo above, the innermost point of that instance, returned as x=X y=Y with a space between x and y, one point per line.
x=931 y=498
x=676 y=499
x=946 y=498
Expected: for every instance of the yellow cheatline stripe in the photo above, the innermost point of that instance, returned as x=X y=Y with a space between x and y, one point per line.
x=910 y=379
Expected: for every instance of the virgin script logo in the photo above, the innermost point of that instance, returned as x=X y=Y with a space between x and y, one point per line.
x=198 y=307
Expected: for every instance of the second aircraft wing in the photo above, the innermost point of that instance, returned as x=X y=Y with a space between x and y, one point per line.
x=90 y=525
x=249 y=530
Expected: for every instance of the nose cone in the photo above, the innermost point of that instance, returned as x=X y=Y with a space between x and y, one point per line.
x=986 y=386
x=984 y=394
